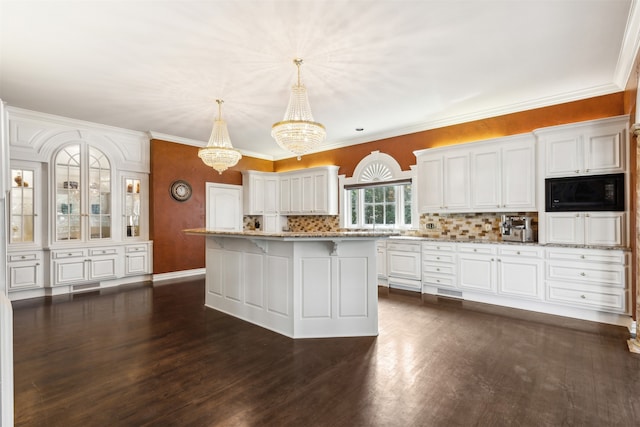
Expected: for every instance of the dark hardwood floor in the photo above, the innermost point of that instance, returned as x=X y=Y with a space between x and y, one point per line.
x=154 y=355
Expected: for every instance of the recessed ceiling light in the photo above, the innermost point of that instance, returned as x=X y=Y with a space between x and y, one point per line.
x=359 y=129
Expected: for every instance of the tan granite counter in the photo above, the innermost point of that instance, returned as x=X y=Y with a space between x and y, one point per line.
x=287 y=235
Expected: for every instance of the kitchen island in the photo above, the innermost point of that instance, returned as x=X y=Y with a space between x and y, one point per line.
x=302 y=285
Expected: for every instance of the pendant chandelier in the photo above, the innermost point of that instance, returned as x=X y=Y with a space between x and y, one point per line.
x=219 y=153
x=297 y=132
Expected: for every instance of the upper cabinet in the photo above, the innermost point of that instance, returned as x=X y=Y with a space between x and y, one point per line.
x=82 y=194
x=24 y=204
x=589 y=148
x=312 y=191
x=489 y=176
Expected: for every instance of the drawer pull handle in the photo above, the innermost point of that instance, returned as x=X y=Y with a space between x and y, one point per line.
x=69 y=254
x=23 y=257
x=37 y=264
x=583 y=274
x=518 y=253
x=438 y=280
x=437 y=257
x=583 y=297
x=437 y=269
x=582 y=256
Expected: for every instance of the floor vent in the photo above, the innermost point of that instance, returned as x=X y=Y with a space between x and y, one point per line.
x=449 y=293
x=86 y=287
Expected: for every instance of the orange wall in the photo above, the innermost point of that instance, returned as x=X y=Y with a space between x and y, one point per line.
x=401 y=147
x=172 y=249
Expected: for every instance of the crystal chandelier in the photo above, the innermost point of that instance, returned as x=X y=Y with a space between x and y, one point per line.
x=219 y=153
x=297 y=132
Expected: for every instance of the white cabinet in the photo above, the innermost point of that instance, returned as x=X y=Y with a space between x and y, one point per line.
x=520 y=271
x=587 y=148
x=311 y=191
x=224 y=207
x=404 y=264
x=443 y=180
x=76 y=266
x=135 y=206
x=439 y=269
x=137 y=259
x=26 y=270
x=507 y=270
x=261 y=193
x=588 y=278
x=588 y=228
x=489 y=176
x=477 y=268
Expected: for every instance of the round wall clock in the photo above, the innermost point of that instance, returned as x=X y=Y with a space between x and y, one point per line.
x=180 y=190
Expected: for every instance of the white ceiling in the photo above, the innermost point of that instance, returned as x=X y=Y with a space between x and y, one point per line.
x=391 y=67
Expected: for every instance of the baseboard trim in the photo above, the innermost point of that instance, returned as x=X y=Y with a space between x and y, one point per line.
x=174 y=275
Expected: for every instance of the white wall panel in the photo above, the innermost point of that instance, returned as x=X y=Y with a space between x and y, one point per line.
x=254 y=279
x=352 y=287
x=316 y=287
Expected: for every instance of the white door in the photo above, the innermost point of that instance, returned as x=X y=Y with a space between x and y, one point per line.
x=604 y=151
x=604 y=228
x=456 y=182
x=520 y=278
x=477 y=273
x=430 y=184
x=518 y=176
x=485 y=170
x=565 y=227
x=563 y=155
x=224 y=207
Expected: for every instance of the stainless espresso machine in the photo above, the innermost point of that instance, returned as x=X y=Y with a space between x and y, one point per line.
x=517 y=229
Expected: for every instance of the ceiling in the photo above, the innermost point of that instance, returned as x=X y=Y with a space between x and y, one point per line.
x=390 y=67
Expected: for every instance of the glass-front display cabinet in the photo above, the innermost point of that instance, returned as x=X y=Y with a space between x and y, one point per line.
x=82 y=194
x=132 y=207
x=23 y=204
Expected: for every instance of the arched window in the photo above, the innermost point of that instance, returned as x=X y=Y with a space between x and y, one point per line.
x=378 y=194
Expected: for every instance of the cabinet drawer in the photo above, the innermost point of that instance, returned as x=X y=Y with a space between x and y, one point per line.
x=518 y=251
x=588 y=273
x=404 y=247
x=477 y=249
x=141 y=248
x=593 y=297
x=104 y=251
x=24 y=257
x=68 y=254
x=439 y=269
x=438 y=247
x=449 y=282
x=430 y=258
x=608 y=256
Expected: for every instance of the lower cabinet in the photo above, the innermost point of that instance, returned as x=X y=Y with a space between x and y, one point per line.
x=593 y=279
x=84 y=265
x=531 y=276
x=381 y=259
x=136 y=260
x=26 y=270
x=586 y=228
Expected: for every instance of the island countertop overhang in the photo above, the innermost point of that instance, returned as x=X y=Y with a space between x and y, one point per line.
x=295 y=235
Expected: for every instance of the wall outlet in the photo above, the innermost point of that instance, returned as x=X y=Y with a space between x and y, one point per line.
x=487 y=227
x=430 y=226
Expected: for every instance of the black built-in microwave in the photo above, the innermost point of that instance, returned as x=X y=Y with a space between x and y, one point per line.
x=585 y=193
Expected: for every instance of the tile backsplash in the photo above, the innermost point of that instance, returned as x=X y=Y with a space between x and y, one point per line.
x=471 y=226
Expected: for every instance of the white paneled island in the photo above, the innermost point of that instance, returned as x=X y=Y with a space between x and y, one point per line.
x=302 y=285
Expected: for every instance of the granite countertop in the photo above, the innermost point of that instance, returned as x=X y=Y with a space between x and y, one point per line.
x=296 y=234
x=503 y=242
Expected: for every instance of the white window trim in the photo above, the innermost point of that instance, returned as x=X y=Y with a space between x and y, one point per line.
x=397 y=174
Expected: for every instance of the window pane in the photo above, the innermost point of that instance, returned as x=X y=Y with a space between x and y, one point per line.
x=379 y=194
x=368 y=195
x=353 y=195
x=390 y=194
x=379 y=210
x=390 y=214
x=368 y=214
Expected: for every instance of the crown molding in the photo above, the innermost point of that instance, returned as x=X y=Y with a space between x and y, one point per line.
x=196 y=143
x=630 y=47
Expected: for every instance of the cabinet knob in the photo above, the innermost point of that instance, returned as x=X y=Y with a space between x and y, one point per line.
x=582 y=256
x=23 y=257
x=577 y=215
x=37 y=263
x=475 y=250
x=583 y=297
x=437 y=269
x=518 y=253
x=438 y=280
x=583 y=274
x=492 y=259
x=586 y=215
x=499 y=260
x=586 y=170
x=577 y=171
x=437 y=257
